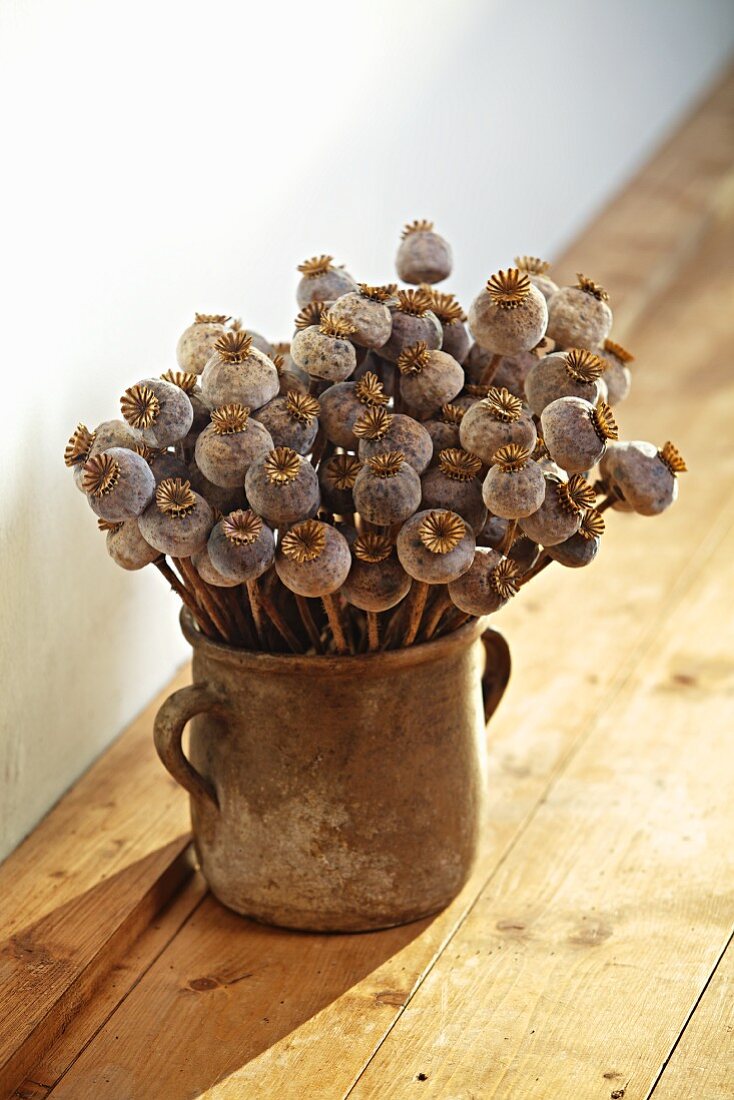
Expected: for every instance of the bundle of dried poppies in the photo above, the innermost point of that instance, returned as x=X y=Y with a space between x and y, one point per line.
x=393 y=471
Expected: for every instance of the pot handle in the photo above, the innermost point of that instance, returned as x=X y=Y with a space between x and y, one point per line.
x=496 y=672
x=168 y=731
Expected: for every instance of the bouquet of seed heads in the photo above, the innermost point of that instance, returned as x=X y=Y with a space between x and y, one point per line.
x=394 y=471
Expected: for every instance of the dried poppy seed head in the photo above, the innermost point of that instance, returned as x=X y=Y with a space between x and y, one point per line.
x=387 y=464
x=583 y=366
x=370 y=391
x=531 y=265
x=575 y=495
x=604 y=423
x=508 y=289
x=420 y=225
x=278 y=362
x=242 y=527
x=317 y=265
x=79 y=445
x=590 y=287
x=373 y=424
x=101 y=474
x=504 y=577
x=334 y=326
x=310 y=315
x=282 y=465
x=372 y=547
x=305 y=541
x=185 y=380
x=302 y=407
x=671 y=457
x=458 y=464
x=282 y=348
x=503 y=405
x=175 y=497
x=512 y=457
x=230 y=419
x=210 y=318
x=342 y=470
x=477 y=391
x=414 y=358
x=140 y=406
x=441 y=532
x=148 y=453
x=105 y=526
x=233 y=347
x=592 y=525
x=377 y=293
x=445 y=306
x=618 y=352
x=414 y=302
x=452 y=414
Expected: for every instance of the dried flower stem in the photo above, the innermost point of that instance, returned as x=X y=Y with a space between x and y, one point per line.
x=203 y=595
x=253 y=593
x=304 y=610
x=373 y=631
x=319 y=446
x=608 y=501
x=272 y=610
x=333 y=614
x=186 y=597
x=417 y=597
x=489 y=371
x=436 y=613
x=509 y=537
x=543 y=562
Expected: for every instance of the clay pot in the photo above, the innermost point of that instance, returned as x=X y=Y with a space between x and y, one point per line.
x=336 y=794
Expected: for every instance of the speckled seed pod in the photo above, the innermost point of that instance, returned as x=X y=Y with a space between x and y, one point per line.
x=313 y=559
x=365 y=312
x=344 y=403
x=494 y=422
x=581 y=548
x=189 y=383
x=119 y=484
x=160 y=411
x=488 y=584
x=237 y=373
x=579 y=316
x=282 y=487
x=455 y=484
x=291 y=378
x=196 y=344
x=515 y=485
x=510 y=371
x=77 y=451
x=387 y=489
x=258 y=340
x=241 y=547
x=423 y=255
x=412 y=320
x=429 y=379
x=336 y=479
x=524 y=552
x=644 y=476
x=291 y=420
x=559 y=516
x=113 y=433
x=537 y=271
x=324 y=350
x=617 y=374
x=163 y=464
x=574 y=373
x=229 y=445
x=494 y=532
x=221 y=498
x=207 y=572
x=456 y=340
x=436 y=546
x=377 y=580
x=126 y=546
x=509 y=315
x=178 y=521
x=321 y=281
x=379 y=431
x=575 y=432
x=444 y=429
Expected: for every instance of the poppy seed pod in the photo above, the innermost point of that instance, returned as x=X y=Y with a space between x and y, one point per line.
x=515 y=485
x=559 y=516
x=509 y=315
x=292 y=421
x=196 y=344
x=494 y=532
x=573 y=373
x=159 y=410
x=575 y=432
x=537 y=271
x=423 y=255
x=222 y=499
x=435 y=546
x=412 y=320
x=345 y=402
x=113 y=433
x=511 y=372
x=189 y=383
x=336 y=479
x=237 y=373
x=488 y=584
x=645 y=477
x=321 y=281
x=379 y=431
x=290 y=377
x=579 y=316
x=444 y=429
x=324 y=350
x=377 y=580
x=429 y=378
x=229 y=445
x=313 y=559
x=455 y=340
x=119 y=484
x=617 y=374
x=203 y=565
x=580 y=549
x=126 y=546
x=387 y=489
x=495 y=421
x=524 y=552
x=178 y=521
x=77 y=452
x=240 y=546
x=454 y=484
x=364 y=310
x=282 y=487
x=258 y=340
x=163 y=463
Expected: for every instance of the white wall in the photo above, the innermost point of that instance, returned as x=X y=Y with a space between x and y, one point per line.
x=166 y=157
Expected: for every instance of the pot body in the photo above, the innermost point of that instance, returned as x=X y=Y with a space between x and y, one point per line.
x=336 y=793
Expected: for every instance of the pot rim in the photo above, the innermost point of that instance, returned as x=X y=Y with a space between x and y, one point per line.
x=288 y=663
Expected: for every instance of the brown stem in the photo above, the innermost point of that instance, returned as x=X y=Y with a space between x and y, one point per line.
x=373 y=630
x=204 y=623
x=253 y=593
x=204 y=596
x=509 y=537
x=304 y=610
x=272 y=610
x=489 y=371
x=436 y=613
x=607 y=502
x=543 y=563
x=454 y=622
x=319 y=445
x=418 y=596
x=333 y=614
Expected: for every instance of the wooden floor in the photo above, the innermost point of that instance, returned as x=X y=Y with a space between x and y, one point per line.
x=590 y=956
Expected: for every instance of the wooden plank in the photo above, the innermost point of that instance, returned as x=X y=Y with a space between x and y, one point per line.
x=81 y=888
x=700 y=1067
x=335 y=1009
